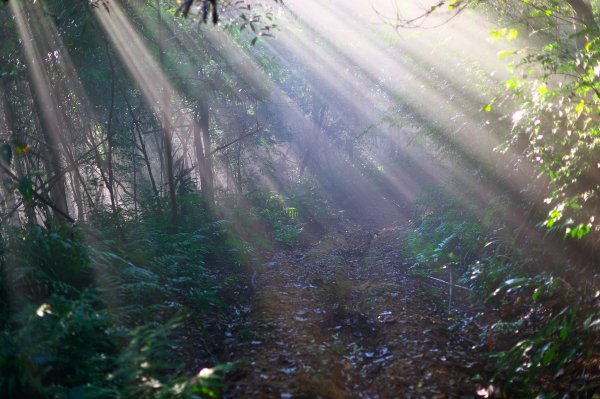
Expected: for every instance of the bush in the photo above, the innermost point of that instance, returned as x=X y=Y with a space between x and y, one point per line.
x=108 y=318
x=545 y=332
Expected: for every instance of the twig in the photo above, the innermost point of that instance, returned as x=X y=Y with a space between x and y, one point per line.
x=38 y=196
x=445 y=282
x=257 y=130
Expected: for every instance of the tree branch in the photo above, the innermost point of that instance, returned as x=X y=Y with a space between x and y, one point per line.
x=257 y=130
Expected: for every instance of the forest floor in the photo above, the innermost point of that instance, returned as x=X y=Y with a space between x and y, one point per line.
x=345 y=318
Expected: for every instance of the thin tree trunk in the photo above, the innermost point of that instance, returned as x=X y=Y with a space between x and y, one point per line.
x=46 y=115
x=142 y=149
x=204 y=153
x=312 y=148
x=585 y=16
x=134 y=166
x=57 y=185
x=11 y=125
x=75 y=184
x=109 y=155
x=238 y=168
x=584 y=13
x=46 y=112
x=199 y=148
x=99 y=163
x=166 y=121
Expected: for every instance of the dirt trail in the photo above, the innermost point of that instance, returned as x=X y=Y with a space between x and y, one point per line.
x=345 y=320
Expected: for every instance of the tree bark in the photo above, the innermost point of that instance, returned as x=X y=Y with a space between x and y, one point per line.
x=109 y=150
x=166 y=120
x=584 y=13
x=45 y=110
x=204 y=153
x=144 y=152
x=11 y=125
x=46 y=113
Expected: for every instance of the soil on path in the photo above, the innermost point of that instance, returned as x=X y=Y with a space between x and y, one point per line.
x=345 y=319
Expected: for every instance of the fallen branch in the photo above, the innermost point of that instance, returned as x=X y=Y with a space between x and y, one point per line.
x=447 y=283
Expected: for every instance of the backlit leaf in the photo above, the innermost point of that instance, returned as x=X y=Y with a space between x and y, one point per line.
x=6 y=153
x=26 y=188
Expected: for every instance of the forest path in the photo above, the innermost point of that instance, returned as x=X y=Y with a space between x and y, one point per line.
x=344 y=319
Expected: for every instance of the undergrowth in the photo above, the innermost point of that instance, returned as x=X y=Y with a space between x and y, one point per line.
x=129 y=304
x=108 y=310
x=540 y=326
x=266 y=219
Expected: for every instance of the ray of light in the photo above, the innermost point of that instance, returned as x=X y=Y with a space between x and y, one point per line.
x=306 y=133
x=429 y=103
x=45 y=102
x=348 y=65
x=74 y=114
x=134 y=53
x=346 y=87
x=63 y=103
x=305 y=130
x=144 y=68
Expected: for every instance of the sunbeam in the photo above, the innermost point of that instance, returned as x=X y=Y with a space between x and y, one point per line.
x=307 y=199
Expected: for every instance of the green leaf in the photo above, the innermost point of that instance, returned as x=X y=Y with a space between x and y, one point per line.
x=26 y=188
x=21 y=149
x=6 y=153
x=536 y=294
x=564 y=331
x=579 y=231
x=453 y=4
x=497 y=33
x=579 y=108
x=505 y=53
x=513 y=83
x=549 y=352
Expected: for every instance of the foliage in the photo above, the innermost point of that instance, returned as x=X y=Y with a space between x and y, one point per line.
x=256 y=16
x=552 y=100
x=555 y=101
x=84 y=319
x=266 y=217
x=445 y=236
x=543 y=326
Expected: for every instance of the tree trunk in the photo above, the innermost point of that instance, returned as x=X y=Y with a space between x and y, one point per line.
x=238 y=168
x=142 y=148
x=584 y=13
x=103 y=175
x=109 y=150
x=11 y=125
x=134 y=167
x=44 y=106
x=203 y=153
x=166 y=120
x=46 y=113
